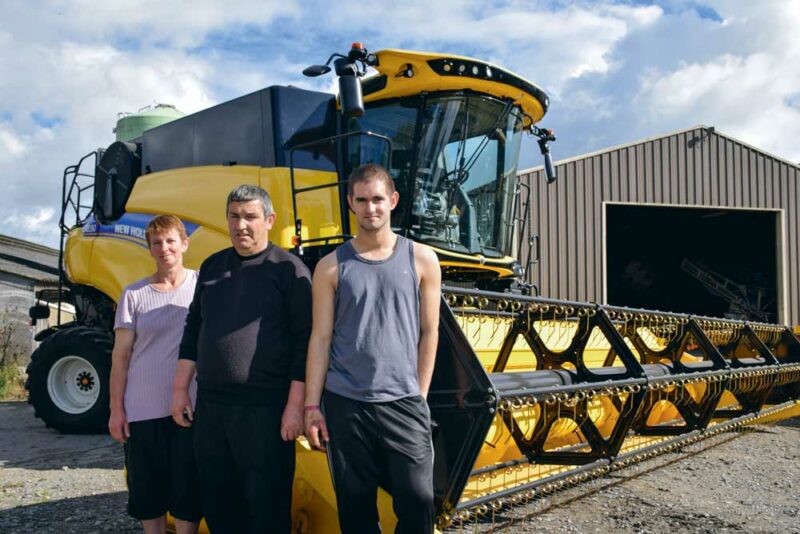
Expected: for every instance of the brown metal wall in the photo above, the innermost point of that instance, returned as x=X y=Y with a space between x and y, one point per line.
x=695 y=167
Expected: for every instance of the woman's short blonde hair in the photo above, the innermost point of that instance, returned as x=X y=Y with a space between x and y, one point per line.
x=163 y=224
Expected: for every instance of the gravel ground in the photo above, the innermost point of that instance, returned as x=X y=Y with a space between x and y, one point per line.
x=739 y=482
x=747 y=483
x=51 y=482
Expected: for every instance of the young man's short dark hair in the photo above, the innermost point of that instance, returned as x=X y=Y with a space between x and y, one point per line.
x=370 y=171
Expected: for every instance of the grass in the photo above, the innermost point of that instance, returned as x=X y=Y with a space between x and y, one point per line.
x=12 y=383
x=12 y=376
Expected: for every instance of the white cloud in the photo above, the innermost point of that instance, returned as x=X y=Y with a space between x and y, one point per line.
x=40 y=216
x=39 y=225
x=732 y=65
x=616 y=71
x=547 y=45
x=175 y=23
x=81 y=88
x=11 y=145
x=748 y=95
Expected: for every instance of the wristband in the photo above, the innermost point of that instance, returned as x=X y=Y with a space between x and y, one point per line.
x=312 y=408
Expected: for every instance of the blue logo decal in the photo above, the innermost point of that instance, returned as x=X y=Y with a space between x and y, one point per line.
x=130 y=227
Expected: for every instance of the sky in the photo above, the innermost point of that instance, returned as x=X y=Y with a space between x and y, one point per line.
x=616 y=71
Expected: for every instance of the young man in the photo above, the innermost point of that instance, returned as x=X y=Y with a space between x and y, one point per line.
x=372 y=348
x=247 y=336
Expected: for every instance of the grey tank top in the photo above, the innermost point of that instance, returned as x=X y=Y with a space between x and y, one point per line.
x=373 y=355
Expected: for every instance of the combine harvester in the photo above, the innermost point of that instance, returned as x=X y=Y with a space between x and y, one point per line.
x=529 y=395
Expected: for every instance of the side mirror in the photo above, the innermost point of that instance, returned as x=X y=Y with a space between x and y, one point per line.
x=350 y=96
x=545 y=138
x=108 y=201
x=350 y=69
x=316 y=70
x=549 y=168
x=40 y=311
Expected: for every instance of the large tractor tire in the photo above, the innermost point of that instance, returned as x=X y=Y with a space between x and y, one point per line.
x=68 y=380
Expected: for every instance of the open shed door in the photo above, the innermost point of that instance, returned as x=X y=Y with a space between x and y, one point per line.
x=704 y=261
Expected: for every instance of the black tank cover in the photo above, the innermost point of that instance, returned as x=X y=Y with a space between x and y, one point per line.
x=255 y=129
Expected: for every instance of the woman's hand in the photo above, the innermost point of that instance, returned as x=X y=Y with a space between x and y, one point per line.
x=118 y=426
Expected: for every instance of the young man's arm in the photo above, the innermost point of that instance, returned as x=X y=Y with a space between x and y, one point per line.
x=323 y=290
x=430 y=295
x=120 y=361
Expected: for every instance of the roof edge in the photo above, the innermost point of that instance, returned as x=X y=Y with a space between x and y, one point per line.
x=657 y=137
x=28 y=245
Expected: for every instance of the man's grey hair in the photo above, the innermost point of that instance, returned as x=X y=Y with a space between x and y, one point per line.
x=248 y=193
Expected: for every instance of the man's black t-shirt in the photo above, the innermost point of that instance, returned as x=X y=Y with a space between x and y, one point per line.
x=248 y=326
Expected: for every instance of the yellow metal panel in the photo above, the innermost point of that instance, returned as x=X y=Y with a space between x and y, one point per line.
x=110 y=263
x=476 y=266
x=195 y=194
x=106 y=263
x=318 y=210
x=313 y=498
x=426 y=79
x=792 y=410
x=202 y=243
x=471 y=258
x=198 y=195
x=77 y=254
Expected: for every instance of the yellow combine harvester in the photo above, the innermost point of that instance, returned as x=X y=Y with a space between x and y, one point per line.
x=529 y=395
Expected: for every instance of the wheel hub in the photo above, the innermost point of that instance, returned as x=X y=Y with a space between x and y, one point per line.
x=85 y=381
x=72 y=384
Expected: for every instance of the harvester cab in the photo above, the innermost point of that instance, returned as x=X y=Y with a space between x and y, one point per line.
x=529 y=394
x=449 y=130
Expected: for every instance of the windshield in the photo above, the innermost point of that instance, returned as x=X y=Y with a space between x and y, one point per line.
x=462 y=150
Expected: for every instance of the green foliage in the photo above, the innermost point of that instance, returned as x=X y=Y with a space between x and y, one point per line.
x=12 y=383
x=11 y=377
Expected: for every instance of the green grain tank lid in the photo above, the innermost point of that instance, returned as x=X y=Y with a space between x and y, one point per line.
x=131 y=126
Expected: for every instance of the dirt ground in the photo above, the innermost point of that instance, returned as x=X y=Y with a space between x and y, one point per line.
x=746 y=483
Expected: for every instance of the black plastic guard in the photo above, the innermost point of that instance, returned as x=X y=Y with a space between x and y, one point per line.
x=463 y=405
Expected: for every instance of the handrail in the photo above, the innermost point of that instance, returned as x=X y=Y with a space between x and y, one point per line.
x=298 y=241
x=71 y=198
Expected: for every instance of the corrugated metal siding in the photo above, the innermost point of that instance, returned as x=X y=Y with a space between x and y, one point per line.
x=695 y=167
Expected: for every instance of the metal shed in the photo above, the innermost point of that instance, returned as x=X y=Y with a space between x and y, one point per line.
x=643 y=224
x=25 y=267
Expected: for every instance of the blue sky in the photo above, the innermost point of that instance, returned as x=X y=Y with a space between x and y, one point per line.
x=616 y=71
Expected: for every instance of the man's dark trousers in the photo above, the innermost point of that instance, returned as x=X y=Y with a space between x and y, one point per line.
x=386 y=443
x=245 y=468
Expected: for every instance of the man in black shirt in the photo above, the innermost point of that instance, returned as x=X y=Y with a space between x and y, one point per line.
x=246 y=338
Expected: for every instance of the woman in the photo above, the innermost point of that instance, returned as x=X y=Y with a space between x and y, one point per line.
x=148 y=327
